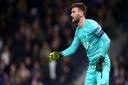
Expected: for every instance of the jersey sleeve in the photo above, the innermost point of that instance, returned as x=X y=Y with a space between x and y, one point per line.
x=104 y=41
x=96 y=29
x=73 y=47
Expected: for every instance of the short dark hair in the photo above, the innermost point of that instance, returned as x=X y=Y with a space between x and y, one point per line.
x=81 y=6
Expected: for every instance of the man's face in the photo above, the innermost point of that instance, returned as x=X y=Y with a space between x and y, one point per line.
x=75 y=14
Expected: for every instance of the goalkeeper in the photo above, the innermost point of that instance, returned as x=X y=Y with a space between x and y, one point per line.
x=95 y=41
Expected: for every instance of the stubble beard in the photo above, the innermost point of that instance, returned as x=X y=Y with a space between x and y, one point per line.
x=76 y=21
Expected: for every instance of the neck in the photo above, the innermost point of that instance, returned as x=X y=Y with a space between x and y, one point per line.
x=81 y=22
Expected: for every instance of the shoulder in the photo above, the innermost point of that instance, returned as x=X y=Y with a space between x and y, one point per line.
x=92 y=22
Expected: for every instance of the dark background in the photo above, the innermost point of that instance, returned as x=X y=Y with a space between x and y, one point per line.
x=31 y=29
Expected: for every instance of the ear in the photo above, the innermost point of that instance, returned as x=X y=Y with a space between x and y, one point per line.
x=81 y=13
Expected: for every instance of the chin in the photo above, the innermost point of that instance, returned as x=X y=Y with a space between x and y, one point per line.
x=72 y=20
x=75 y=22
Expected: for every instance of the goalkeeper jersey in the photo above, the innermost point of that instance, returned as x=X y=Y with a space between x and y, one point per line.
x=92 y=38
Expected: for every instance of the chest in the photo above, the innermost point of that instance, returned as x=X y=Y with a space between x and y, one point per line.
x=85 y=35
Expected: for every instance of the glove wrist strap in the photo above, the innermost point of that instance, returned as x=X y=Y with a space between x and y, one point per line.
x=61 y=55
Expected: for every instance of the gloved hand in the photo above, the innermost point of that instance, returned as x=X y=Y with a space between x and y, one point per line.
x=99 y=64
x=55 y=56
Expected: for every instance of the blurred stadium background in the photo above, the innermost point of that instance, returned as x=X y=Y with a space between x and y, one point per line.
x=30 y=29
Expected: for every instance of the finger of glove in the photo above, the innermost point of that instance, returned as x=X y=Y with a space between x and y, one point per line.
x=50 y=58
x=54 y=56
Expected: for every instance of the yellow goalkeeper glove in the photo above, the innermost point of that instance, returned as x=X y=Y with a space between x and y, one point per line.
x=55 y=56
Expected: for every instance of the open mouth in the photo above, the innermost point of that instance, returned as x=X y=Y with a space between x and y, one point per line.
x=72 y=17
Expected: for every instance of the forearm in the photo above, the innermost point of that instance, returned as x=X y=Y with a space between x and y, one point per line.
x=69 y=51
x=105 y=43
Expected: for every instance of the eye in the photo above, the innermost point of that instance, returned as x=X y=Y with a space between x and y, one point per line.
x=73 y=11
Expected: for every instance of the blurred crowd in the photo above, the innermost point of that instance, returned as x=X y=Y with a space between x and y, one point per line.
x=31 y=29
x=119 y=71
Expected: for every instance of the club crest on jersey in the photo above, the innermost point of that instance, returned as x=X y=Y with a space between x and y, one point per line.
x=87 y=45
